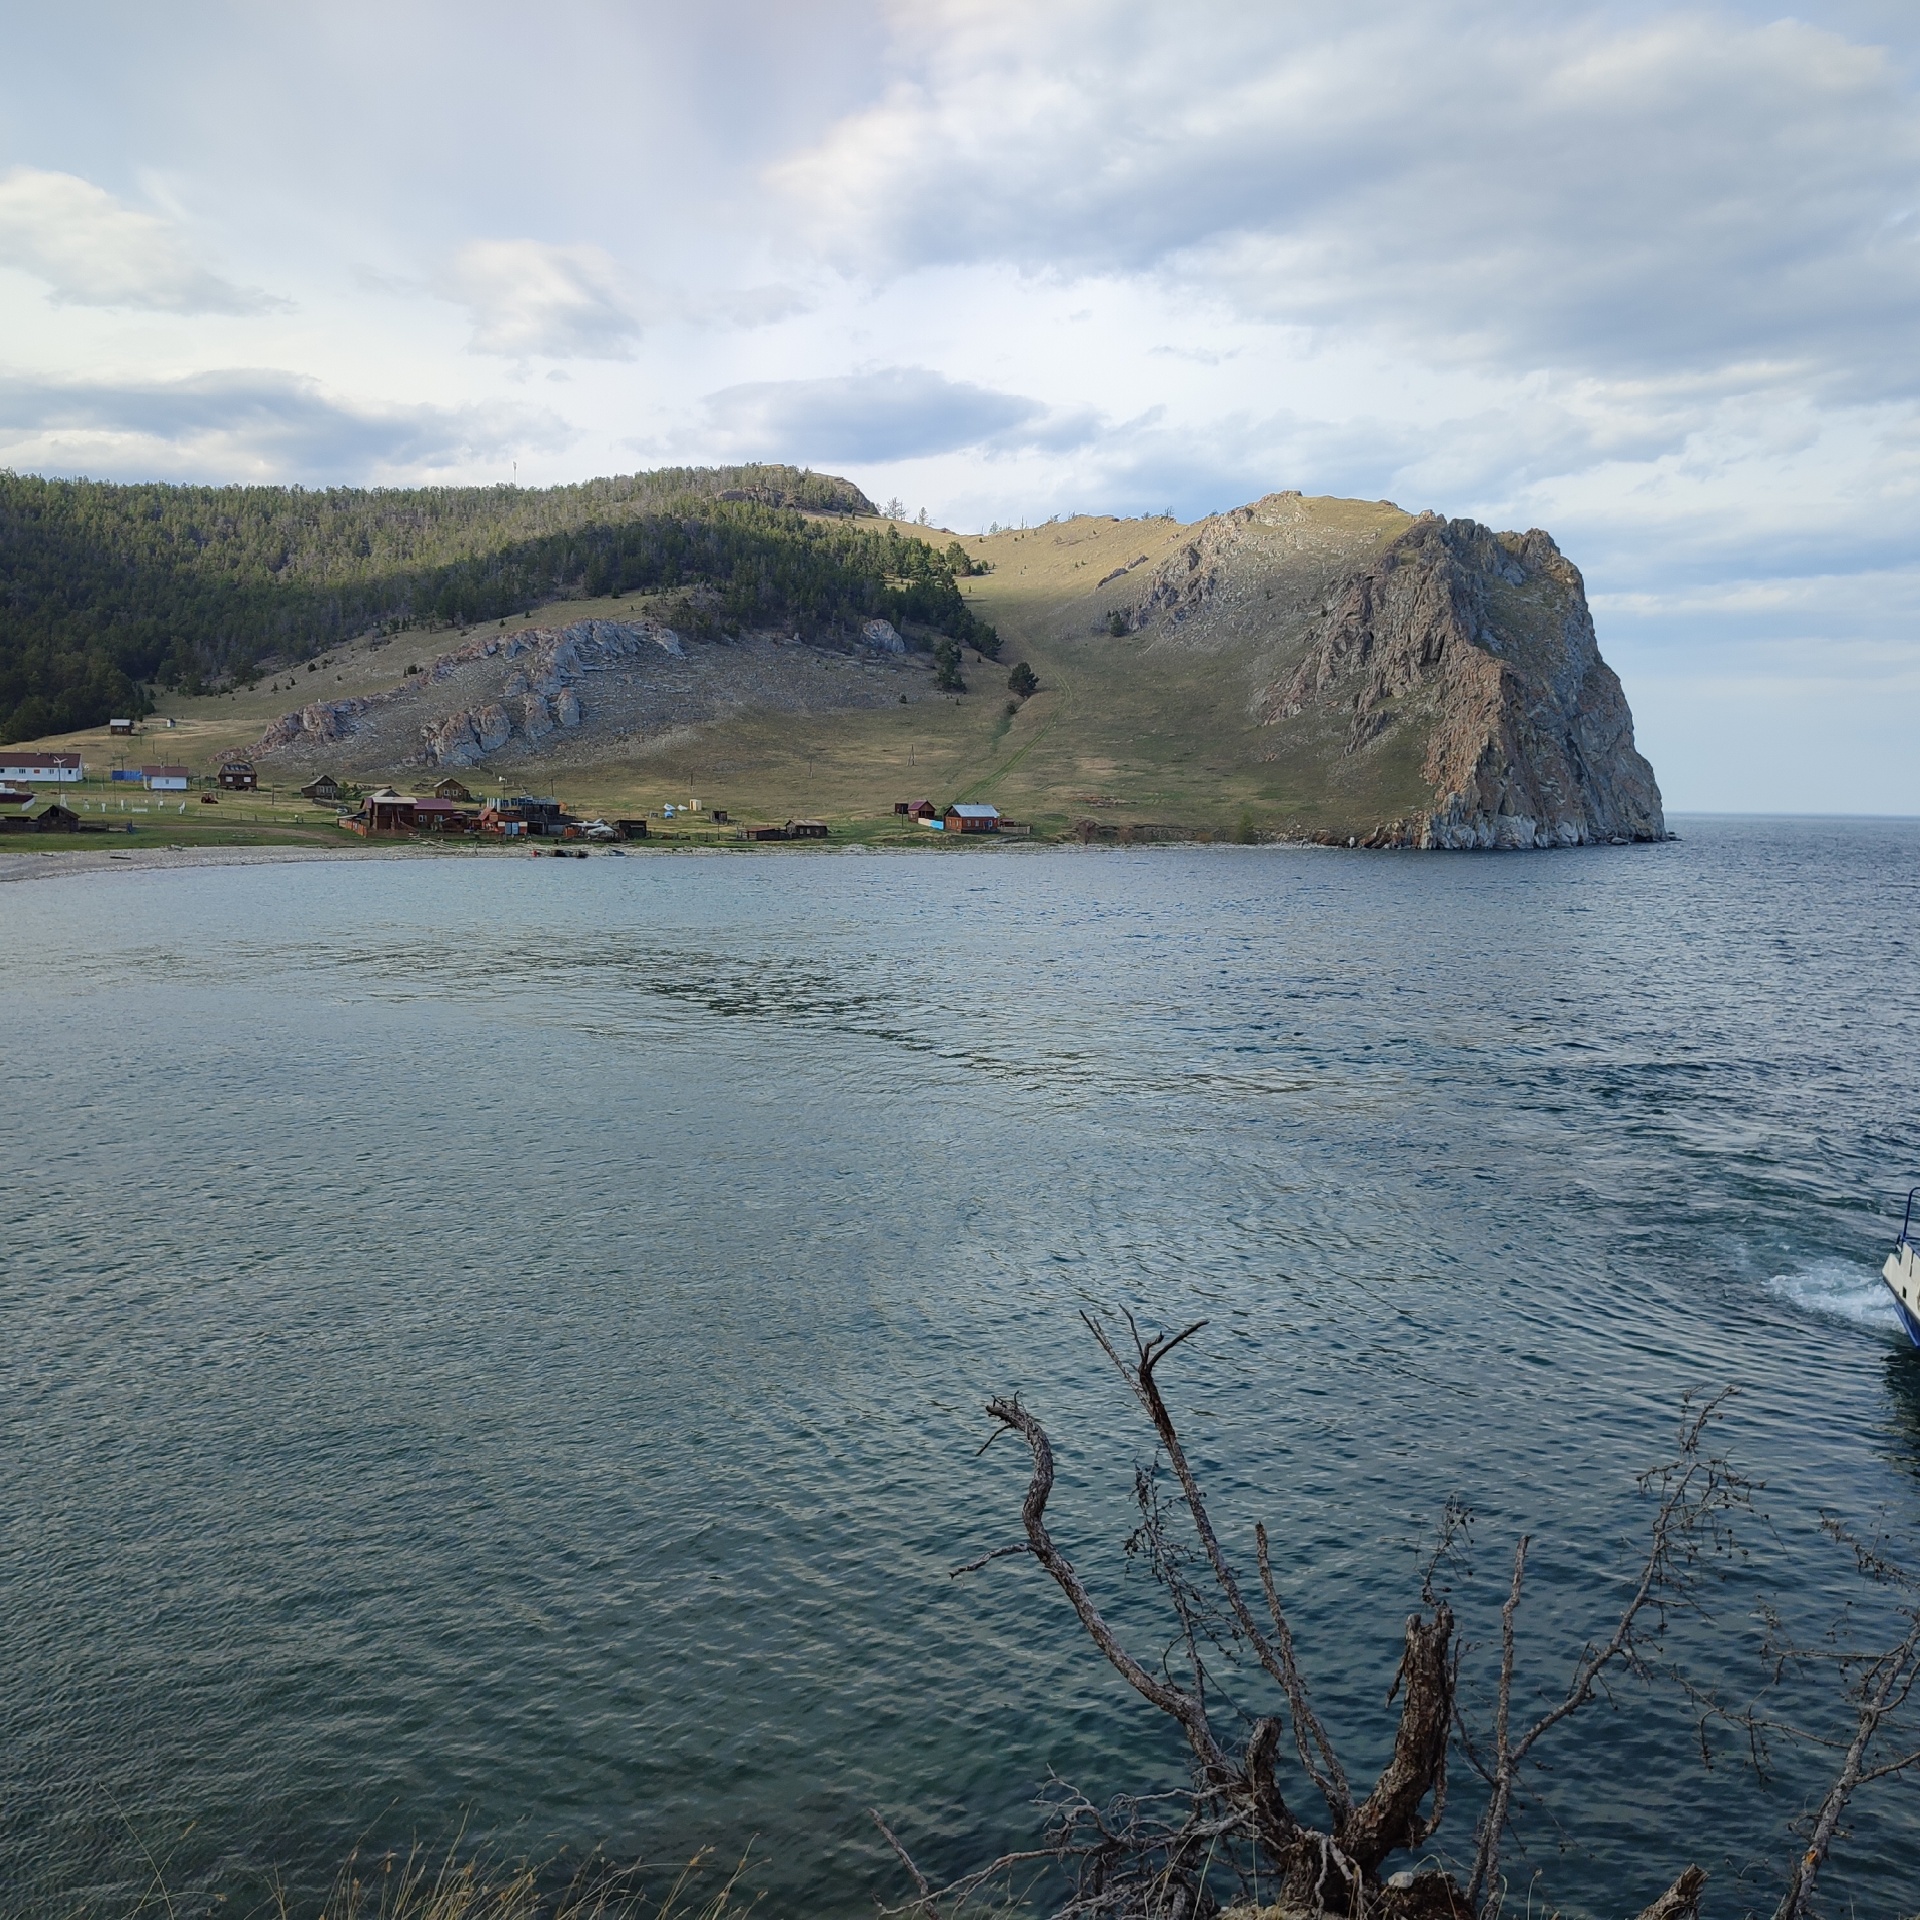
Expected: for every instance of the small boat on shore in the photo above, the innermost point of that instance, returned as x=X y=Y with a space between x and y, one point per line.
x=1902 y=1274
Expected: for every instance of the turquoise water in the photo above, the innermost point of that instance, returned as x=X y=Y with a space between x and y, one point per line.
x=501 y=1344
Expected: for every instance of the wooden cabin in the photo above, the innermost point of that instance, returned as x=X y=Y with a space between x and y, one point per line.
x=443 y=816
x=326 y=790
x=971 y=819
x=49 y=817
x=763 y=833
x=390 y=812
x=237 y=776
x=120 y=729
x=451 y=789
x=806 y=829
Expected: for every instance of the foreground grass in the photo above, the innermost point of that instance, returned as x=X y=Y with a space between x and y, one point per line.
x=419 y=1886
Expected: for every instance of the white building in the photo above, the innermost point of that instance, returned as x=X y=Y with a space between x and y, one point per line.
x=15 y=765
x=165 y=779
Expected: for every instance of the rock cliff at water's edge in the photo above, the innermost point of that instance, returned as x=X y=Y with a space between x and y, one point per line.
x=1409 y=680
x=1484 y=641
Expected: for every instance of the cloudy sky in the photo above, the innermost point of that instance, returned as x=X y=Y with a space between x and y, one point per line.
x=1646 y=275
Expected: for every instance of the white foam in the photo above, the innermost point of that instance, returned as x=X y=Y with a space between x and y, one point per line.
x=1839 y=1290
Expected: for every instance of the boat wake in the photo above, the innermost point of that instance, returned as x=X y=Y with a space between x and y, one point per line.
x=1839 y=1290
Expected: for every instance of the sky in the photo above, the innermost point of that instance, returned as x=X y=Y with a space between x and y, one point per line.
x=1645 y=275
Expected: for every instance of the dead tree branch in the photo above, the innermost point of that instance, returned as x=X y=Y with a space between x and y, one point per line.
x=1880 y=1692
x=1698 y=1494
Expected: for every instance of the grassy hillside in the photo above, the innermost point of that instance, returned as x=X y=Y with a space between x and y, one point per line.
x=1149 y=731
x=108 y=592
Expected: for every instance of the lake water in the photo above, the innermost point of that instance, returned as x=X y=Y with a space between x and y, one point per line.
x=501 y=1344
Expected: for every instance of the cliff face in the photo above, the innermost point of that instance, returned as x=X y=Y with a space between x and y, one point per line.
x=1482 y=641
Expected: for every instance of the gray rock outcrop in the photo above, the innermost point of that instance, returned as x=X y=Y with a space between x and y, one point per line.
x=1483 y=640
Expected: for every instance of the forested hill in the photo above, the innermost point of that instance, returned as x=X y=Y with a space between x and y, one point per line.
x=104 y=588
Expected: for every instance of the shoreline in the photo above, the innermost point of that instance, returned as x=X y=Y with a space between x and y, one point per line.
x=71 y=861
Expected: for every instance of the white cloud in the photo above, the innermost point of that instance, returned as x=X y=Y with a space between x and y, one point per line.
x=529 y=298
x=254 y=423
x=1490 y=183
x=92 y=251
x=891 y=413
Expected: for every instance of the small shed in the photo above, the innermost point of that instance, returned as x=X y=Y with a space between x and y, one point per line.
x=918 y=810
x=806 y=829
x=326 y=789
x=121 y=729
x=237 y=776
x=630 y=829
x=763 y=833
x=164 y=779
x=451 y=789
x=720 y=816
x=971 y=819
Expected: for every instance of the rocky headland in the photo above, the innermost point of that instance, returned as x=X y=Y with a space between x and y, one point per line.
x=1438 y=644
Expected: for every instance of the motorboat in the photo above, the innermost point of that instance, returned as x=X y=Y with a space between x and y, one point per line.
x=1902 y=1273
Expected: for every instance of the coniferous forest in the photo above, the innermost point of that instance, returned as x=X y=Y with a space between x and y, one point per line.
x=109 y=590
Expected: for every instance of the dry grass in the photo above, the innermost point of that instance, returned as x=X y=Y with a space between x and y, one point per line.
x=461 y=1886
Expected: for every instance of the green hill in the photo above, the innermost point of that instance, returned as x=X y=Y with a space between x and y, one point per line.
x=106 y=591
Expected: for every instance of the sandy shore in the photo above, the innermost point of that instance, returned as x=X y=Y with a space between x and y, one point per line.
x=54 y=866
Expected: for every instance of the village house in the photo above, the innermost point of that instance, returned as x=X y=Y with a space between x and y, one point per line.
x=389 y=812
x=917 y=809
x=541 y=815
x=971 y=819
x=17 y=765
x=451 y=789
x=326 y=789
x=49 y=816
x=120 y=729
x=382 y=811
x=443 y=816
x=763 y=833
x=164 y=779
x=806 y=829
x=237 y=776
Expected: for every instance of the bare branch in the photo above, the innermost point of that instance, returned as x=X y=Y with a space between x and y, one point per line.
x=907 y=1860
x=1327 y=1776
x=1881 y=1691
x=1697 y=1492
x=987 y=1559
x=1171 y=1700
x=1486 y=1863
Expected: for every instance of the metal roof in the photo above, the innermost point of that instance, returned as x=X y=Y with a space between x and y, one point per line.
x=975 y=813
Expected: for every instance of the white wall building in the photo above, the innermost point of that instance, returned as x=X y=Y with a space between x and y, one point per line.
x=16 y=765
